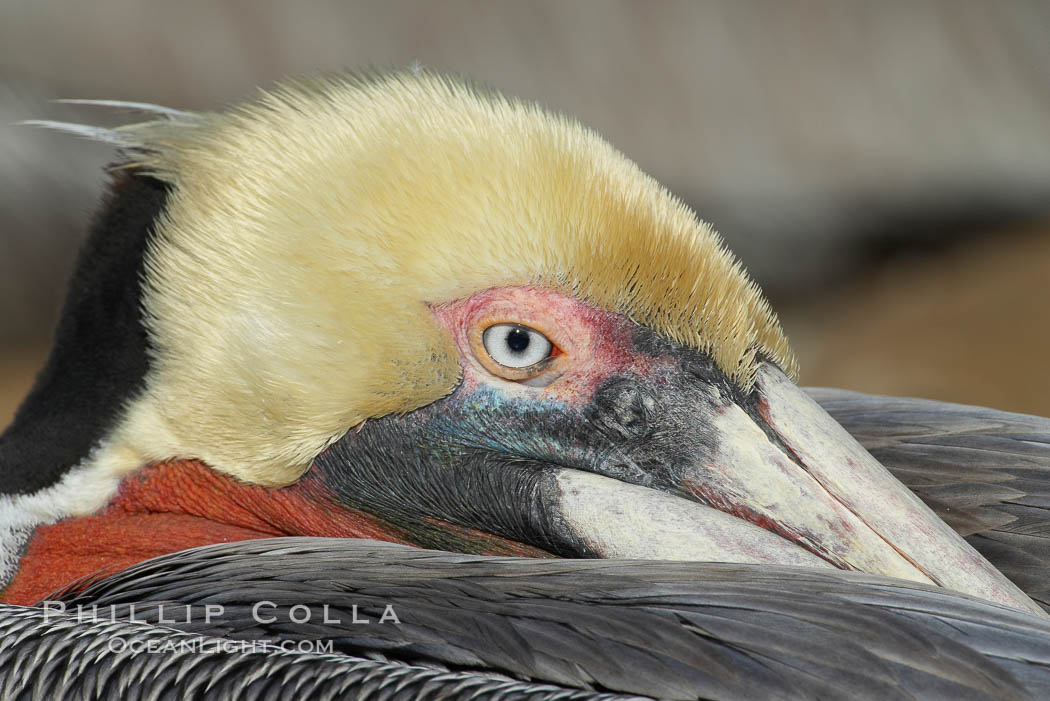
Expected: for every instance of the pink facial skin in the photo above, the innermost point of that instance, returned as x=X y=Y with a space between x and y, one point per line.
x=590 y=345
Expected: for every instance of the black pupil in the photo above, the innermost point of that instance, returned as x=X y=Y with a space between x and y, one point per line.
x=518 y=341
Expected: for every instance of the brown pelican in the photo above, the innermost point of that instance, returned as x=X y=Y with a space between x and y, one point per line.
x=405 y=308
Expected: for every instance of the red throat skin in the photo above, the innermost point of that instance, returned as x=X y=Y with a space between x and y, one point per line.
x=172 y=506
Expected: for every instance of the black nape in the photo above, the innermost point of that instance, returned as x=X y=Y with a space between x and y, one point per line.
x=99 y=358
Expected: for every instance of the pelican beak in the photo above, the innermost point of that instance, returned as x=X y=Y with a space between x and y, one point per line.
x=770 y=478
x=663 y=458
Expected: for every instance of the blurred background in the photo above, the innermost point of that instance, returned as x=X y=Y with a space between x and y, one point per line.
x=882 y=168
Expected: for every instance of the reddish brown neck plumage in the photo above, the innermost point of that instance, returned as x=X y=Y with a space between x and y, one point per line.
x=172 y=506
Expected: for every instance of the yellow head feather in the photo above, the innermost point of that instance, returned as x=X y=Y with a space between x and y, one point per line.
x=308 y=230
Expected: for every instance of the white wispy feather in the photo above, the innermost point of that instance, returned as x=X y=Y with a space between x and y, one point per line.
x=87 y=131
x=137 y=106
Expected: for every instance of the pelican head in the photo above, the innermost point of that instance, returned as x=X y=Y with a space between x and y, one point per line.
x=407 y=307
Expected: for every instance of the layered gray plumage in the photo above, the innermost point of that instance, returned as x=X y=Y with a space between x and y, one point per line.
x=61 y=657
x=661 y=629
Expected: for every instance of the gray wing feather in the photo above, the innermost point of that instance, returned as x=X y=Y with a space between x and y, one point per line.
x=58 y=656
x=659 y=629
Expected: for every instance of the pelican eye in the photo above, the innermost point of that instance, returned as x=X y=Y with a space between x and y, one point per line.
x=516 y=346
